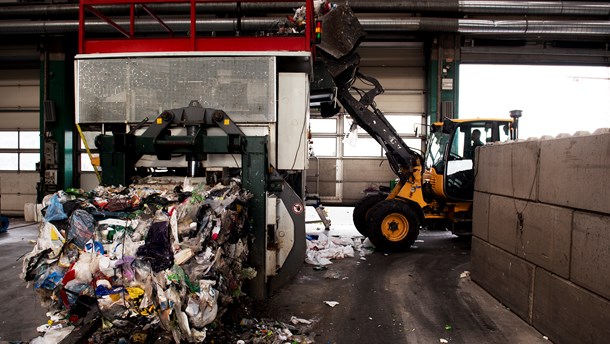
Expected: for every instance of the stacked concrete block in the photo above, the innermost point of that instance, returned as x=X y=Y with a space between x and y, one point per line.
x=541 y=226
x=579 y=169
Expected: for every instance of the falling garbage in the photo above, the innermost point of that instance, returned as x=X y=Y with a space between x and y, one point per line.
x=147 y=256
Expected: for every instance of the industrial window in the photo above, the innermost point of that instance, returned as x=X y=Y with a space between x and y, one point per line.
x=365 y=146
x=19 y=150
x=323 y=125
x=323 y=132
x=329 y=134
x=324 y=146
x=85 y=162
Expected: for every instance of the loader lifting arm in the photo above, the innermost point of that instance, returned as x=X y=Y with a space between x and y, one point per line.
x=344 y=72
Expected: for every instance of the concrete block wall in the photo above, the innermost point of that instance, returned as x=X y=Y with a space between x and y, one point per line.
x=541 y=233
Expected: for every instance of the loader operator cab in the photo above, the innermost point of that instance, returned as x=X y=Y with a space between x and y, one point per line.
x=450 y=162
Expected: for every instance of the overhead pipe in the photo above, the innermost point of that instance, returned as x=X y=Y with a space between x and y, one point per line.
x=465 y=7
x=542 y=7
x=590 y=28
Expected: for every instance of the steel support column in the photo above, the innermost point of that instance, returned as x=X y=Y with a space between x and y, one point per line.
x=254 y=179
x=57 y=115
x=443 y=77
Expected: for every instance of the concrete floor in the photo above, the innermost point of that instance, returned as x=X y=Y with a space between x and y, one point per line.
x=407 y=297
x=411 y=297
x=20 y=309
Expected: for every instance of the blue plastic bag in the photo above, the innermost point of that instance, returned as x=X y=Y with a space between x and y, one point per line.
x=55 y=210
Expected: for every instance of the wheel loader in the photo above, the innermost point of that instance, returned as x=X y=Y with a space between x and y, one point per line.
x=435 y=189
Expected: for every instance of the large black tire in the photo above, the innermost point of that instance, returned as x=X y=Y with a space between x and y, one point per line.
x=361 y=211
x=394 y=225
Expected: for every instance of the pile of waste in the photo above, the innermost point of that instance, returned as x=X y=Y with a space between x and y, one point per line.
x=155 y=254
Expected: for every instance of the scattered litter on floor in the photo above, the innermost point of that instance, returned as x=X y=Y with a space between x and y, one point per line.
x=419 y=240
x=465 y=274
x=448 y=327
x=146 y=257
x=322 y=249
x=332 y=275
x=443 y=340
x=331 y=303
x=295 y=321
x=545 y=337
x=266 y=331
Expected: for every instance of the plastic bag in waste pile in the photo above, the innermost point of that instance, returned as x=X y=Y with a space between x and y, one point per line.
x=55 y=210
x=157 y=248
x=82 y=226
x=151 y=257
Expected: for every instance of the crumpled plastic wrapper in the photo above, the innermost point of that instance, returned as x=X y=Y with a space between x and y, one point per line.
x=170 y=255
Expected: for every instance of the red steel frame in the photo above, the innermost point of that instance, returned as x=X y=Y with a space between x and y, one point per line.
x=131 y=43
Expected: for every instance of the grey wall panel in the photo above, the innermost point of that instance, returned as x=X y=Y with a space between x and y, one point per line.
x=360 y=174
x=322 y=181
x=20 y=120
x=19 y=99
x=397 y=78
x=392 y=57
x=404 y=103
x=17 y=189
x=19 y=96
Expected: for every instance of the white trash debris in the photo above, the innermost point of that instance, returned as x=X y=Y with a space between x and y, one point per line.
x=294 y=320
x=53 y=336
x=465 y=274
x=323 y=249
x=331 y=303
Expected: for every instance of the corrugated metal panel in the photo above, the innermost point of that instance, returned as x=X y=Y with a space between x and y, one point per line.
x=18 y=96
x=397 y=78
x=17 y=189
x=19 y=99
x=20 y=119
x=360 y=174
x=402 y=103
x=392 y=57
x=326 y=175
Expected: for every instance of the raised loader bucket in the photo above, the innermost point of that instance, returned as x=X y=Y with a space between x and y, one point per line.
x=341 y=32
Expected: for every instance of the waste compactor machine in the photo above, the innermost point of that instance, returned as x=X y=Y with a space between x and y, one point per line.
x=206 y=104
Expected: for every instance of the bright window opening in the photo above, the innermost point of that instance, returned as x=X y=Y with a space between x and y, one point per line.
x=554 y=99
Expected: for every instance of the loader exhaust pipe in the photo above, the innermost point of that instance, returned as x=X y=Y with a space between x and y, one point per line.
x=515 y=115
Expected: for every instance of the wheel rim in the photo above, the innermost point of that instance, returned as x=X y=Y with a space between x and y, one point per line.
x=395 y=227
